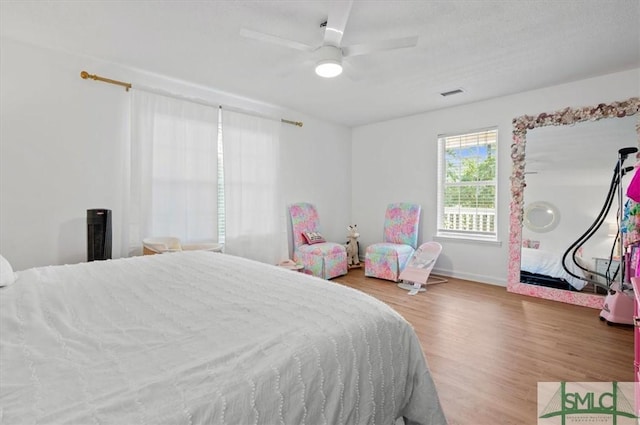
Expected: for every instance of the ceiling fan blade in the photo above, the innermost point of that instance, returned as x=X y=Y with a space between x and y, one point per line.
x=364 y=49
x=287 y=70
x=336 y=22
x=268 y=38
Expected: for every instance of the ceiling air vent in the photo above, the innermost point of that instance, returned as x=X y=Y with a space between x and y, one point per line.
x=451 y=93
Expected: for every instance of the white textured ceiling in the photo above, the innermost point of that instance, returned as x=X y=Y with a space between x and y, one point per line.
x=488 y=48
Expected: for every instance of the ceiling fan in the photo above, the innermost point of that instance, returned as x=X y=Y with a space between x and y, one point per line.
x=331 y=52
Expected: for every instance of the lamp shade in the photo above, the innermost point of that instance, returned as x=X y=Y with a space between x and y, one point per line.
x=330 y=63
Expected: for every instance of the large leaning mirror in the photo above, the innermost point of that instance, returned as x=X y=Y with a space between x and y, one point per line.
x=563 y=163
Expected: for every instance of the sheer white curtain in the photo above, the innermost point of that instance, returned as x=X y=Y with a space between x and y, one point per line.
x=255 y=214
x=173 y=171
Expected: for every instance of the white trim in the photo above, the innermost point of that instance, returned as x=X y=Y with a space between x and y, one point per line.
x=473 y=277
x=476 y=130
x=441 y=185
x=468 y=238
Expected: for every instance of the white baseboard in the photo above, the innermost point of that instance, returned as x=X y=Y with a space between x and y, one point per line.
x=491 y=280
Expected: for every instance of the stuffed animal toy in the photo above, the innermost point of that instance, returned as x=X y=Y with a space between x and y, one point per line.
x=352 y=245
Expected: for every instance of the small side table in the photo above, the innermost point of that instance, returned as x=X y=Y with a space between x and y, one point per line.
x=293 y=267
x=603 y=264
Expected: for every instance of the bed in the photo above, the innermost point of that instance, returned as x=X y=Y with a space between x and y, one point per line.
x=200 y=337
x=540 y=267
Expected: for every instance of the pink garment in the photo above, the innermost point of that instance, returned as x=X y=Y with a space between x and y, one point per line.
x=633 y=191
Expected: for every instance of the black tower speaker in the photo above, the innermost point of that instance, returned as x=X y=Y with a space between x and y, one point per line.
x=98 y=234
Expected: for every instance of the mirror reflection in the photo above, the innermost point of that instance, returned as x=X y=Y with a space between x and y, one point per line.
x=541 y=217
x=571 y=168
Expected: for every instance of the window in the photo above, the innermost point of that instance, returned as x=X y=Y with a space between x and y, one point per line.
x=188 y=172
x=220 y=188
x=173 y=177
x=184 y=179
x=201 y=178
x=467 y=185
x=255 y=224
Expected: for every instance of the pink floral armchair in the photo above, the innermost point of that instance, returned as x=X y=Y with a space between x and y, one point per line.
x=387 y=259
x=323 y=259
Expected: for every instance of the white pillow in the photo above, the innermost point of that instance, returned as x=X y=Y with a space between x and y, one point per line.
x=7 y=276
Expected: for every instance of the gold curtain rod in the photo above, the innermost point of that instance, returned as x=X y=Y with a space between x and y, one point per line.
x=85 y=75
x=298 y=123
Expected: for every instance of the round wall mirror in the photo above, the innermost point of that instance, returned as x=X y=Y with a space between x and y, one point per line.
x=541 y=217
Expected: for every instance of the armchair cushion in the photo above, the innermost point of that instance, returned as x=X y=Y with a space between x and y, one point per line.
x=385 y=248
x=326 y=259
x=323 y=248
x=387 y=260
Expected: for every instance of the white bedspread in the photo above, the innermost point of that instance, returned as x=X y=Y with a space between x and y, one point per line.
x=550 y=264
x=200 y=337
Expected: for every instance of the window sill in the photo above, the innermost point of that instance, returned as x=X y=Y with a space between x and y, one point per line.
x=460 y=238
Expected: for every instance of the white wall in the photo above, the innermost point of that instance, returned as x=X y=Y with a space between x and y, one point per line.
x=397 y=161
x=60 y=148
x=60 y=138
x=316 y=169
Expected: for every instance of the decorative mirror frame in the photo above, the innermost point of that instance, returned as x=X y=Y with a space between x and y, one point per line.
x=521 y=125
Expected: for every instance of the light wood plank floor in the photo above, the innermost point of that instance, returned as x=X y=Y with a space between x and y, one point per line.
x=487 y=348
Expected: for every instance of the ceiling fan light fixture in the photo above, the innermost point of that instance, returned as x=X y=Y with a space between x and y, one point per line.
x=328 y=69
x=330 y=63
